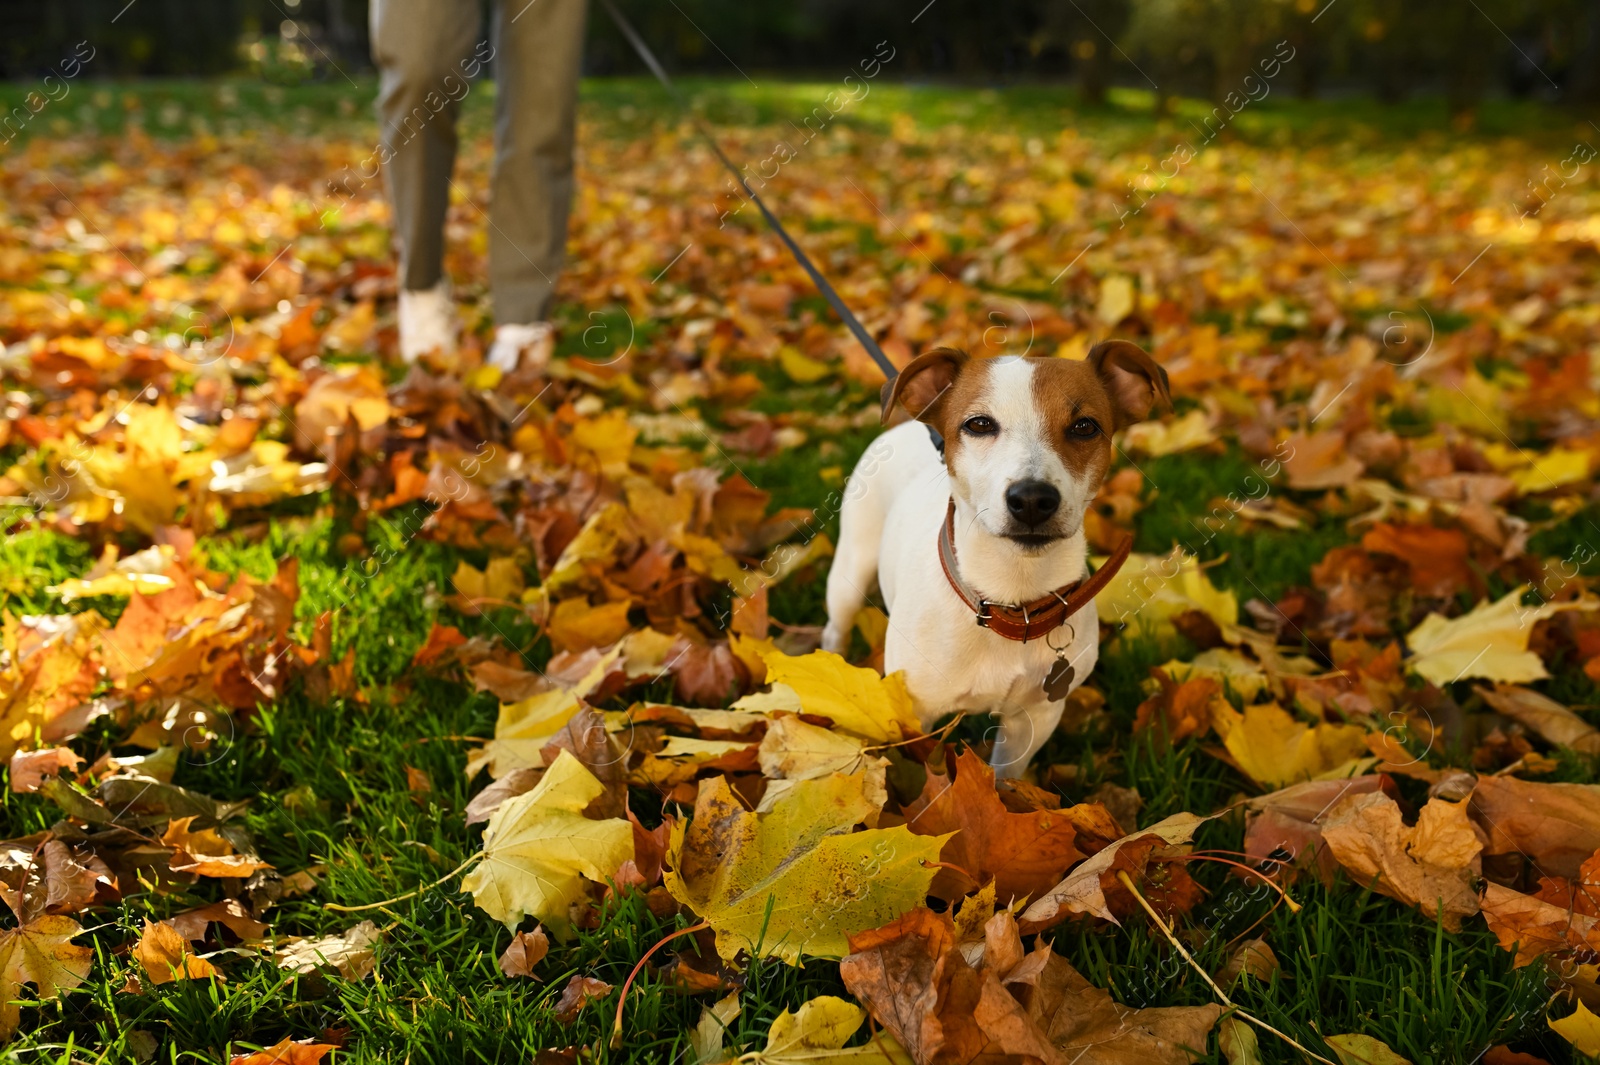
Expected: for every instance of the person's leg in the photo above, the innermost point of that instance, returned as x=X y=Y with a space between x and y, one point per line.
x=538 y=53
x=425 y=54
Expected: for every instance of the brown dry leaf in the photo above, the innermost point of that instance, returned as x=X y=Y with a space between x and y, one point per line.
x=48 y=673
x=1179 y=711
x=351 y=953
x=285 y=1052
x=1024 y=854
x=52 y=880
x=39 y=953
x=526 y=950
x=1083 y=890
x=333 y=399
x=1531 y=927
x=1036 y=1007
x=600 y=752
x=1432 y=866
x=1556 y=827
x=165 y=955
x=29 y=768
x=417 y=781
x=1437 y=557
x=1291 y=820
x=192 y=924
x=1252 y=958
x=1543 y=715
x=205 y=852
x=514 y=783
x=1320 y=460
x=579 y=992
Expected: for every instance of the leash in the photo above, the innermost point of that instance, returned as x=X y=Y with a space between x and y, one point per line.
x=800 y=256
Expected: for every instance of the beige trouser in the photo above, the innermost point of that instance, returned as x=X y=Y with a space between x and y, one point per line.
x=427 y=51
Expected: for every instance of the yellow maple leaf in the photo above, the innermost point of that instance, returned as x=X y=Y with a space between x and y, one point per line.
x=1150 y=590
x=539 y=847
x=500 y=579
x=1580 y=1028
x=1273 y=748
x=1491 y=641
x=39 y=953
x=1193 y=430
x=796 y=881
x=818 y=1031
x=576 y=626
x=522 y=731
x=854 y=698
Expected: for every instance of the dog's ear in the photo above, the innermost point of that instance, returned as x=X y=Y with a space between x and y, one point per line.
x=923 y=384
x=1131 y=378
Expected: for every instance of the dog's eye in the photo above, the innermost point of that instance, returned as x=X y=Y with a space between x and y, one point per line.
x=1084 y=429
x=981 y=425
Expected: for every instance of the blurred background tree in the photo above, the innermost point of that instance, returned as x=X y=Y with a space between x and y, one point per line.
x=1464 y=50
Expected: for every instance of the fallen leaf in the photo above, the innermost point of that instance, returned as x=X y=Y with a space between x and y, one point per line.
x=1556 y=827
x=526 y=950
x=1532 y=928
x=817 y=1031
x=351 y=952
x=1238 y=1042
x=1273 y=748
x=1290 y=820
x=52 y=880
x=1083 y=890
x=705 y=1041
x=579 y=992
x=795 y=881
x=1580 y=1028
x=165 y=955
x=539 y=847
x=205 y=852
x=29 y=768
x=1032 y=1007
x=1024 y=854
x=285 y=1051
x=1432 y=866
x=1363 y=1050
x=522 y=731
x=1437 y=558
x=192 y=924
x=39 y=953
x=1543 y=715
x=855 y=699
x=1491 y=641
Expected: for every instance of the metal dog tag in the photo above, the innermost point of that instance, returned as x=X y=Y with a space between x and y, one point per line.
x=1058 y=682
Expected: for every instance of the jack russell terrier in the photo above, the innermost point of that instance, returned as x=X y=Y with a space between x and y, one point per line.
x=981 y=557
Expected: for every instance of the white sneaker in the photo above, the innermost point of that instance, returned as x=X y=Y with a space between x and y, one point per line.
x=522 y=345
x=427 y=322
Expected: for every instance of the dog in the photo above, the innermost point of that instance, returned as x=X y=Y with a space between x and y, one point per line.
x=980 y=552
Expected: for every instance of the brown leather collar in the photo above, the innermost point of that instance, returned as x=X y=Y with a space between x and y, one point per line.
x=1025 y=621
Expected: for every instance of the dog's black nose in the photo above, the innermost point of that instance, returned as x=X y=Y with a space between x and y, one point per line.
x=1032 y=502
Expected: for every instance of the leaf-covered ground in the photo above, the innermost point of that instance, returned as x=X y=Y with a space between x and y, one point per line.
x=285 y=621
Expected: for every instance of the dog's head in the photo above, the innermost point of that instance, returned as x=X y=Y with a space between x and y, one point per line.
x=1028 y=441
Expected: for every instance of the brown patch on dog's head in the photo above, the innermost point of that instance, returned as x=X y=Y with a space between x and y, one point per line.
x=1083 y=403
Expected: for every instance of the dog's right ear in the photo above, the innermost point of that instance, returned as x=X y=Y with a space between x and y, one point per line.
x=922 y=386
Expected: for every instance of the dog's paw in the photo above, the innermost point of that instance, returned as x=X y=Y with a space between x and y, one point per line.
x=835 y=639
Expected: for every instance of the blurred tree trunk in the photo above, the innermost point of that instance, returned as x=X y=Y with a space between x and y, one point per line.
x=1093 y=67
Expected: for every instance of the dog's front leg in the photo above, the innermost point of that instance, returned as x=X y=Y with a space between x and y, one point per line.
x=1022 y=731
